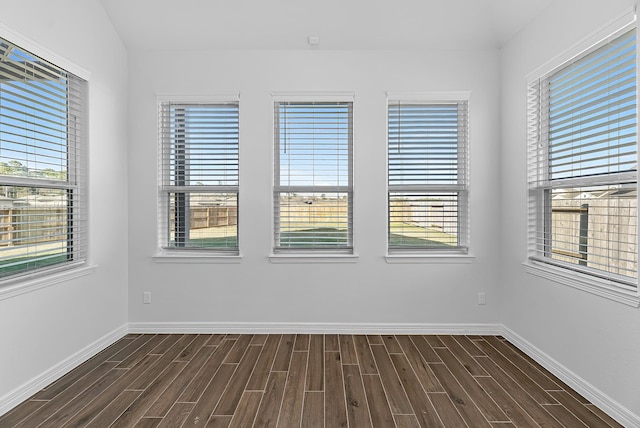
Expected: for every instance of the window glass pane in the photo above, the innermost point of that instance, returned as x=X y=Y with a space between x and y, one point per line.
x=34 y=228
x=314 y=220
x=423 y=144
x=592 y=113
x=203 y=220
x=314 y=144
x=33 y=141
x=204 y=144
x=596 y=227
x=423 y=220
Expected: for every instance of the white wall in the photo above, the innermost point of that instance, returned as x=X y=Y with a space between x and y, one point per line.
x=597 y=339
x=369 y=291
x=40 y=329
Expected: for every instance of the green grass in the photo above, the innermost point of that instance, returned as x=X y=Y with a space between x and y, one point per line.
x=21 y=264
x=397 y=240
x=320 y=236
x=403 y=235
x=217 y=242
x=410 y=235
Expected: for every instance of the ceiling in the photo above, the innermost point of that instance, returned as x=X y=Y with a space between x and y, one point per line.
x=339 y=24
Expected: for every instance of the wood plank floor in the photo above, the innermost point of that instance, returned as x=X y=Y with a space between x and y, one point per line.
x=308 y=381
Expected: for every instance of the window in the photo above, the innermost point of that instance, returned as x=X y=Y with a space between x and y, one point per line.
x=43 y=198
x=582 y=169
x=199 y=176
x=427 y=172
x=313 y=184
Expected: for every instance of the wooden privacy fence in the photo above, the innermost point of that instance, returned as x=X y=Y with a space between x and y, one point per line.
x=596 y=232
x=22 y=226
x=431 y=214
x=205 y=217
x=317 y=213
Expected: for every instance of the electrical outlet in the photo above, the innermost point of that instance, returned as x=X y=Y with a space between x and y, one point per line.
x=482 y=299
x=146 y=297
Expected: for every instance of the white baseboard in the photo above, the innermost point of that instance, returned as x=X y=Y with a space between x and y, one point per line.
x=597 y=397
x=26 y=390
x=317 y=328
x=604 y=402
x=614 y=409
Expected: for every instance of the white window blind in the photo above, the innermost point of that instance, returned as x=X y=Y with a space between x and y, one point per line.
x=313 y=184
x=583 y=163
x=199 y=176
x=43 y=200
x=427 y=172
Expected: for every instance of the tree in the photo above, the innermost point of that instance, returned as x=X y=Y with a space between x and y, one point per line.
x=16 y=168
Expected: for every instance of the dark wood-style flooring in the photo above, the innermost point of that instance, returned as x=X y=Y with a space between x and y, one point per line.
x=308 y=381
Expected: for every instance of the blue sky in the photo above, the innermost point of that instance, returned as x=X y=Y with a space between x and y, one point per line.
x=593 y=113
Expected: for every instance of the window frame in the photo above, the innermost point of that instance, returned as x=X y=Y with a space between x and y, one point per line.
x=76 y=181
x=601 y=284
x=170 y=254
x=462 y=252
x=310 y=255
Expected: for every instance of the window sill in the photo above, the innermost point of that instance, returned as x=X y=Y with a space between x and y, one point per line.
x=15 y=287
x=600 y=287
x=429 y=258
x=313 y=258
x=191 y=257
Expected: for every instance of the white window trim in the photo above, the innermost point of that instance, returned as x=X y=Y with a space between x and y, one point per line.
x=611 y=30
x=310 y=257
x=591 y=284
x=41 y=51
x=190 y=256
x=32 y=281
x=439 y=258
x=28 y=283
x=431 y=256
x=429 y=97
x=219 y=97
x=194 y=257
x=301 y=96
x=313 y=258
